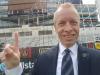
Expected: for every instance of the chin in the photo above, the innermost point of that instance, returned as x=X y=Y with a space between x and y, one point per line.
x=70 y=42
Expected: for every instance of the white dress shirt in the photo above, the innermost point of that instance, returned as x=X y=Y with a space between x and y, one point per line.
x=73 y=54
x=15 y=71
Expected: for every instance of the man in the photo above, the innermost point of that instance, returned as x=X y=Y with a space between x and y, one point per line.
x=83 y=61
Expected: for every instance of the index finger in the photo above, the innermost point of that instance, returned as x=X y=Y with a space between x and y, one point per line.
x=16 y=39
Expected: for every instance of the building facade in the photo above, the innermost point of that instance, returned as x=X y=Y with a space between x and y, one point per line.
x=24 y=6
x=40 y=36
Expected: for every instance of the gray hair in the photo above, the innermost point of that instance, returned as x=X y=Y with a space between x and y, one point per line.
x=65 y=6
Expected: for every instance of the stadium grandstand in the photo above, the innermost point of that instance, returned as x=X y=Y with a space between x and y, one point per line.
x=33 y=19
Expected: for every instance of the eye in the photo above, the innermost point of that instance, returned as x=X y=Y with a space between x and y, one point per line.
x=74 y=22
x=61 y=23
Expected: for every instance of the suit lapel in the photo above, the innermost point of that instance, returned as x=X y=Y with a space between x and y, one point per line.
x=83 y=61
x=54 y=56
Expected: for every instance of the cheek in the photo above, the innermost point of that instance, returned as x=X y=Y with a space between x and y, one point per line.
x=76 y=29
x=58 y=29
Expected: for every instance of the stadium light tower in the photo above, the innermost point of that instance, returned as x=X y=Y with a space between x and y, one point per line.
x=97 y=2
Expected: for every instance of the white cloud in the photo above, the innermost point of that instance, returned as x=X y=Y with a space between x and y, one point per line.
x=88 y=1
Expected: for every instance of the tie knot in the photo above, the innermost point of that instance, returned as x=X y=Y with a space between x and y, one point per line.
x=67 y=50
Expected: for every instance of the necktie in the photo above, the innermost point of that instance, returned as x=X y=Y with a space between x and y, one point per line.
x=67 y=65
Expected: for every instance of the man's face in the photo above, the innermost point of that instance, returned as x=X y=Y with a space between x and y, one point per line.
x=67 y=26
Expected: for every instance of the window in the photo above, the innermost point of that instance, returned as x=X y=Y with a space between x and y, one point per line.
x=45 y=32
x=5 y=34
x=25 y=33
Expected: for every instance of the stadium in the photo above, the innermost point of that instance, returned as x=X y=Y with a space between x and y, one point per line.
x=33 y=19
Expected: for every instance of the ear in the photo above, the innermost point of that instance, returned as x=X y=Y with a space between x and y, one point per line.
x=54 y=28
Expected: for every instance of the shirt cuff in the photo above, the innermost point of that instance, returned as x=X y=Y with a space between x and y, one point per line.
x=15 y=71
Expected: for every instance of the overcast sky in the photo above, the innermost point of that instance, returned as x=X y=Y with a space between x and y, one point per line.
x=89 y=1
x=84 y=1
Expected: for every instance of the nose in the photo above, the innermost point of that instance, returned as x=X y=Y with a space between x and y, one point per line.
x=68 y=27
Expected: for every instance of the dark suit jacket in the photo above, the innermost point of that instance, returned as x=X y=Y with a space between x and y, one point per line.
x=88 y=62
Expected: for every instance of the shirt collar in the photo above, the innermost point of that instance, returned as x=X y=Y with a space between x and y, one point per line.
x=73 y=48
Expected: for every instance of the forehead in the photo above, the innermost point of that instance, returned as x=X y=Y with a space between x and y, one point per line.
x=67 y=14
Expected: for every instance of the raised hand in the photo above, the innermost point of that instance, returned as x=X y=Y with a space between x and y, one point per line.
x=11 y=55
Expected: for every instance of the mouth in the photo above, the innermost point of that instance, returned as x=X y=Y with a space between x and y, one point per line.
x=69 y=36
